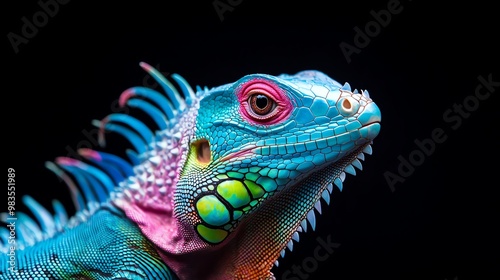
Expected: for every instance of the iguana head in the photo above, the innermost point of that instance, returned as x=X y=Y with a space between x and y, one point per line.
x=252 y=160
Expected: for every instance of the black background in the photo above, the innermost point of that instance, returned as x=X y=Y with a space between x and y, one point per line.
x=437 y=224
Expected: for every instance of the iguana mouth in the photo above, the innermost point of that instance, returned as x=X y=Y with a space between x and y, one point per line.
x=371 y=129
x=242 y=153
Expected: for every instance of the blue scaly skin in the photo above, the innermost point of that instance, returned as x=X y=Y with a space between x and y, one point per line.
x=228 y=181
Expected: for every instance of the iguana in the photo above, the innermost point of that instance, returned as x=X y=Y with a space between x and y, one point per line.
x=218 y=190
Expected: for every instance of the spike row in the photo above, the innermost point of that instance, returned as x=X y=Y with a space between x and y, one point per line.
x=167 y=108
x=347 y=87
x=91 y=179
x=325 y=195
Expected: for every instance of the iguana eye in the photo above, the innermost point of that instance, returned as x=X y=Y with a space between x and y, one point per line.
x=261 y=104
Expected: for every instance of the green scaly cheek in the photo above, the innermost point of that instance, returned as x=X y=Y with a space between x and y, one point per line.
x=212 y=235
x=226 y=199
x=221 y=209
x=212 y=210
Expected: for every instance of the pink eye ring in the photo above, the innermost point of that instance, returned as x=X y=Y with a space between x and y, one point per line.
x=263 y=102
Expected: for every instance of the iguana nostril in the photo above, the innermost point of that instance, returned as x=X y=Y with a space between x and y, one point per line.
x=203 y=154
x=347 y=104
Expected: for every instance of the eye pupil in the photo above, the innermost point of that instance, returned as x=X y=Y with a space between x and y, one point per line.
x=261 y=101
x=261 y=104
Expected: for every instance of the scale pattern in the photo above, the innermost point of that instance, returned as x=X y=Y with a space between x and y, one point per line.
x=93 y=250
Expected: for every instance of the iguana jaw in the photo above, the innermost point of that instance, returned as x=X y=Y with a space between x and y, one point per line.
x=286 y=214
x=271 y=229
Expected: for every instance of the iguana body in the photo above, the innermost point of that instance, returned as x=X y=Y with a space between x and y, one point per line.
x=225 y=184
